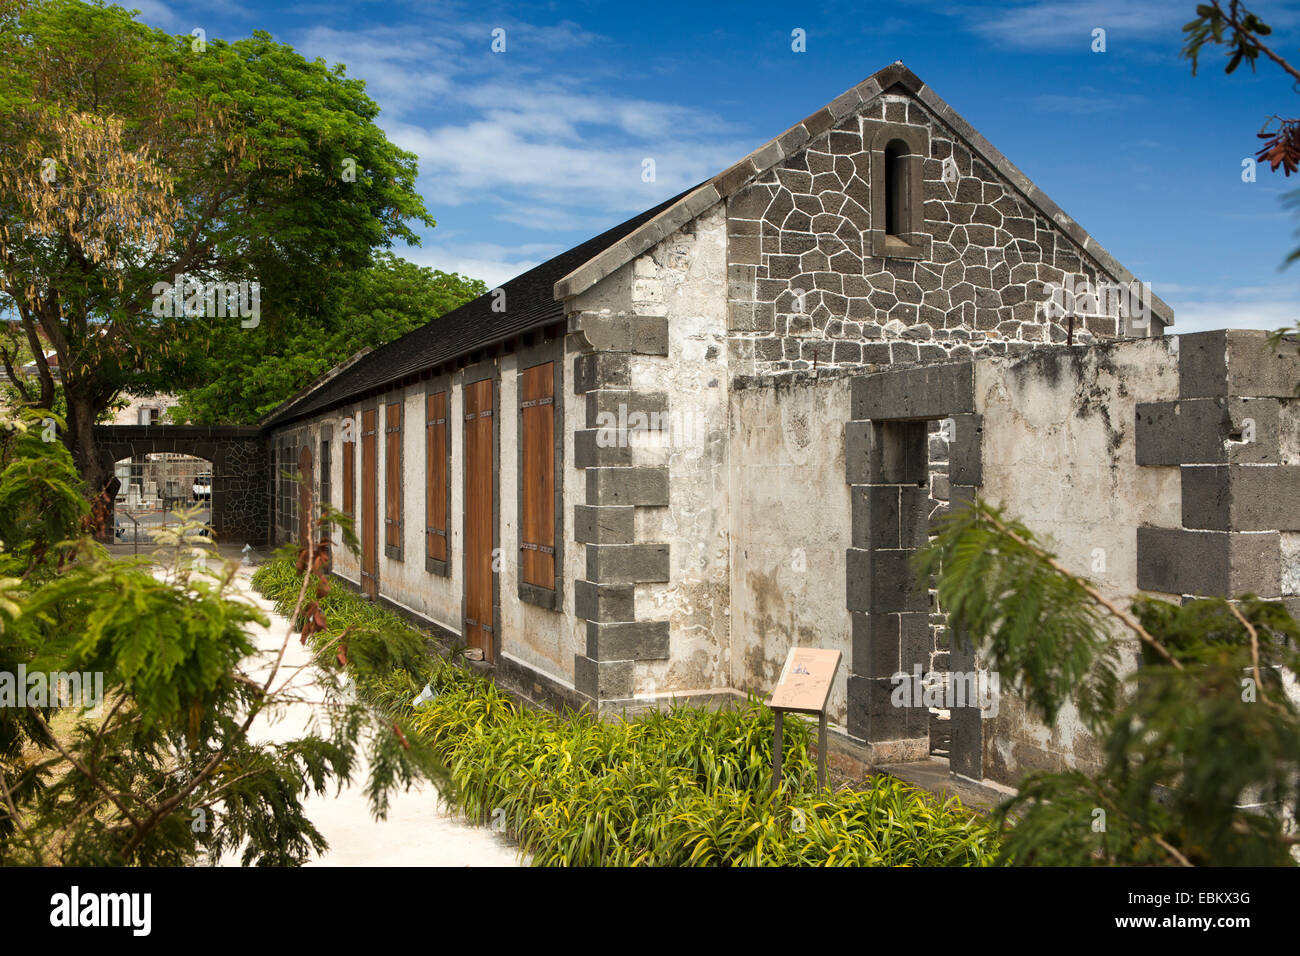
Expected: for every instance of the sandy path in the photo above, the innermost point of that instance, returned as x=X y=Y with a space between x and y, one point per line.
x=417 y=832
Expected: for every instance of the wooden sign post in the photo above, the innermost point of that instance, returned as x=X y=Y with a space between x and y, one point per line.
x=804 y=688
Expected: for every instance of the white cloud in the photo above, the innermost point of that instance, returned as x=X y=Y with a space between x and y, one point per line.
x=493 y=264
x=540 y=148
x=470 y=162
x=1057 y=24
x=1199 y=308
x=552 y=219
x=1086 y=102
x=154 y=12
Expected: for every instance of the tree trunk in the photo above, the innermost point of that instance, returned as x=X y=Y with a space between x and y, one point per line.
x=80 y=439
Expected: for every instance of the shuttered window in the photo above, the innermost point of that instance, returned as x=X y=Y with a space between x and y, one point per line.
x=436 y=550
x=393 y=480
x=288 y=486
x=349 y=470
x=325 y=464
x=326 y=481
x=537 y=476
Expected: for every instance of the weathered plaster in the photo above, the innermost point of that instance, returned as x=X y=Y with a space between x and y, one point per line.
x=791 y=525
x=683 y=278
x=1058 y=453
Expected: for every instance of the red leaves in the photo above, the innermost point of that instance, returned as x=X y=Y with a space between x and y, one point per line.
x=1281 y=147
x=100 y=508
x=342 y=656
x=406 y=745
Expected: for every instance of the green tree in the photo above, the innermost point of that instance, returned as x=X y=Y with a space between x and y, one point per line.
x=246 y=373
x=1244 y=33
x=165 y=768
x=135 y=158
x=1203 y=727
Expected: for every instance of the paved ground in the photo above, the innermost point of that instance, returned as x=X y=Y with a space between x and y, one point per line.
x=417 y=832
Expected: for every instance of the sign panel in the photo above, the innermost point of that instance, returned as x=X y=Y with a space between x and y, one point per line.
x=805 y=682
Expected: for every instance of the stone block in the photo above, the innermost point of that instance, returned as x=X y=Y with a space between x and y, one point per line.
x=965 y=450
x=622 y=409
x=602 y=680
x=627 y=563
x=883 y=582
x=603 y=524
x=876 y=648
x=1209 y=563
x=627 y=486
x=928 y=391
x=1208 y=431
x=966 y=746
x=872 y=714
x=601 y=370
x=875 y=516
x=595 y=447
x=628 y=640
x=1241 y=498
x=1236 y=362
x=605 y=332
x=604 y=602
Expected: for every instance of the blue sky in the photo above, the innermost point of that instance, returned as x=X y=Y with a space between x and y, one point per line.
x=528 y=152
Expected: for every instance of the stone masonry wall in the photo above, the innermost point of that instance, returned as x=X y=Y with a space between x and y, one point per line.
x=806 y=225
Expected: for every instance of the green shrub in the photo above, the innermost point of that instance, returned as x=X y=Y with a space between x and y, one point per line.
x=678 y=787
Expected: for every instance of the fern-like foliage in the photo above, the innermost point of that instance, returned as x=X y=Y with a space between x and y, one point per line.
x=166 y=768
x=1042 y=633
x=1200 y=744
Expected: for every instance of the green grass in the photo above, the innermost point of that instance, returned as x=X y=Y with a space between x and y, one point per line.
x=678 y=787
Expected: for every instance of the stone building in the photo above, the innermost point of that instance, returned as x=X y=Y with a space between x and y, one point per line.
x=651 y=465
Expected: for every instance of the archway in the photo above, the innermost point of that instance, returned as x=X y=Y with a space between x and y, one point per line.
x=239 y=491
x=157 y=489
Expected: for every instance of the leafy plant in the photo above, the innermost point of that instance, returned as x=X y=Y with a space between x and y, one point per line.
x=681 y=787
x=1200 y=744
x=160 y=764
x=1243 y=33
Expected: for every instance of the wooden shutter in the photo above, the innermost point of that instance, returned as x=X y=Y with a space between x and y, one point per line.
x=393 y=476
x=435 y=474
x=537 y=523
x=325 y=477
x=349 y=476
x=479 y=539
x=369 y=504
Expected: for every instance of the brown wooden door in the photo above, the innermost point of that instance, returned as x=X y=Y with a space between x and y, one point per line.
x=369 y=506
x=304 y=496
x=478 y=517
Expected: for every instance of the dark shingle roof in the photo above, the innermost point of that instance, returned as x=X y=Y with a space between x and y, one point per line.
x=530 y=304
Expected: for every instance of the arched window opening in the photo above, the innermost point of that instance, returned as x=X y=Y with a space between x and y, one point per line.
x=897 y=192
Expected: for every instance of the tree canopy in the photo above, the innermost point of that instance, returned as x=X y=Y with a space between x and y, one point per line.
x=140 y=157
x=246 y=373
